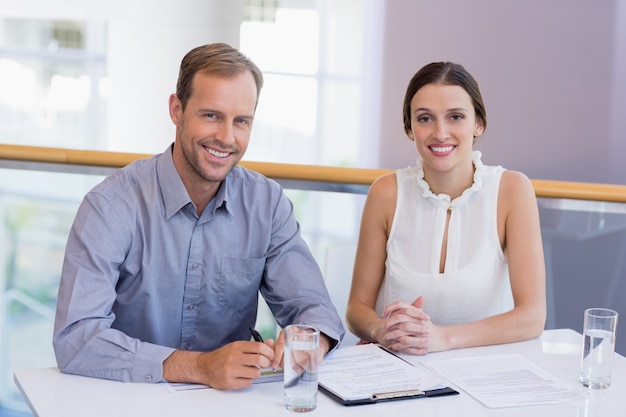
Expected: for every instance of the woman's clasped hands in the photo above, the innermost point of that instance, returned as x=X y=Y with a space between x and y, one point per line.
x=407 y=328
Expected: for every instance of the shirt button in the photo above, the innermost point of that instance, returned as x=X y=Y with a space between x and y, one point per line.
x=190 y=307
x=188 y=346
x=194 y=266
x=148 y=378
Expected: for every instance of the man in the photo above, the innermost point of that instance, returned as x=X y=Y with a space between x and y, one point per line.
x=166 y=257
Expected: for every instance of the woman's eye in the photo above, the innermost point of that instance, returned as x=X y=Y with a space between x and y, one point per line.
x=423 y=119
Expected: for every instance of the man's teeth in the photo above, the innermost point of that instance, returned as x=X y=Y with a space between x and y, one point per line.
x=442 y=148
x=218 y=154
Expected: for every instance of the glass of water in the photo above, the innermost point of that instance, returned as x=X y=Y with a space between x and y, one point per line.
x=301 y=364
x=598 y=346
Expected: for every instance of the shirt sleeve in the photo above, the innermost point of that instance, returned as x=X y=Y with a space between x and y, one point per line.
x=84 y=342
x=293 y=286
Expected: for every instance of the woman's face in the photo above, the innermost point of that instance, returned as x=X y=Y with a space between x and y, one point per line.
x=443 y=126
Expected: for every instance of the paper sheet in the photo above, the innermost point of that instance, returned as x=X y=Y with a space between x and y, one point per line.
x=358 y=372
x=504 y=380
x=267 y=375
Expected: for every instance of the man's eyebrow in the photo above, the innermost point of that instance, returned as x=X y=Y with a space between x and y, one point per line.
x=209 y=110
x=246 y=117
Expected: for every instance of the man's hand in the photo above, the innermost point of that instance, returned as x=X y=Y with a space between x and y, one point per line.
x=279 y=349
x=233 y=366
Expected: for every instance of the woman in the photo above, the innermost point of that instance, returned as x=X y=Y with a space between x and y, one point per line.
x=449 y=253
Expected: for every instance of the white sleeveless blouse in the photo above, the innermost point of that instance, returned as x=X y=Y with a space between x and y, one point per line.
x=475 y=284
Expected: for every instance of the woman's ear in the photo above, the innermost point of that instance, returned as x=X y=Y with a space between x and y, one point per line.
x=479 y=129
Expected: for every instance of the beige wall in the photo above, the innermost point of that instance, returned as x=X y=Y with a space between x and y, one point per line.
x=550 y=74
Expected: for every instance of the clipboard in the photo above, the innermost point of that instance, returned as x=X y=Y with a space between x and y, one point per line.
x=370 y=374
x=391 y=396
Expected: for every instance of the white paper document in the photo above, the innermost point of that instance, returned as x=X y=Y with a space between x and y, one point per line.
x=267 y=375
x=504 y=380
x=361 y=371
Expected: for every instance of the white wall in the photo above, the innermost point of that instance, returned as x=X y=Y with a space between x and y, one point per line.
x=547 y=71
x=139 y=110
x=142 y=31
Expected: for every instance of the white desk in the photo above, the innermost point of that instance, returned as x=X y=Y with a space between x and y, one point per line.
x=50 y=393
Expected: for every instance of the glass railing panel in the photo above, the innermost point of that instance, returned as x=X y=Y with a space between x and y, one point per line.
x=585 y=247
x=36 y=211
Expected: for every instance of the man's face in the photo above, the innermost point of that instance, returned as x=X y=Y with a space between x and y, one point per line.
x=214 y=130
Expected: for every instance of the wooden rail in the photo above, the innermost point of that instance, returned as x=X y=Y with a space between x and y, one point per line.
x=312 y=173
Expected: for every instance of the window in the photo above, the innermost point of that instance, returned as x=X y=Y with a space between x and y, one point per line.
x=53 y=83
x=311 y=54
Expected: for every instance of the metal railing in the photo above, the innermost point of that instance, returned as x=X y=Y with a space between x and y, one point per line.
x=322 y=178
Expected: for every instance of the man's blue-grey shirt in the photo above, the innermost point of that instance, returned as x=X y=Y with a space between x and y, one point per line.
x=144 y=275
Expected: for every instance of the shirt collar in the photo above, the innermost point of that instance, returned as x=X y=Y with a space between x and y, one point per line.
x=444 y=199
x=173 y=191
x=222 y=196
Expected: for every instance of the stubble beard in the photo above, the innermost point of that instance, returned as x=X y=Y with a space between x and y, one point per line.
x=196 y=164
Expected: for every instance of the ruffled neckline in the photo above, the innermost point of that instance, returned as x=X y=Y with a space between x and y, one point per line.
x=444 y=199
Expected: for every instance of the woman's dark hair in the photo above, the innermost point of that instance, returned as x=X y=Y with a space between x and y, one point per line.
x=446 y=73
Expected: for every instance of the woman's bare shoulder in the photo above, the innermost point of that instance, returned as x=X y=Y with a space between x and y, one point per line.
x=515 y=182
x=516 y=190
x=384 y=186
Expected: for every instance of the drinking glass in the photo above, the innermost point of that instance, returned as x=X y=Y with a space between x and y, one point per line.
x=598 y=346
x=301 y=365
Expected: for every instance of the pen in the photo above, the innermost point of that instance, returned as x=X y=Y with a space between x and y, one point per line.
x=256 y=335
x=258 y=338
x=294 y=381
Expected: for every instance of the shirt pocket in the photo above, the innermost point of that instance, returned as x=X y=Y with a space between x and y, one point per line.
x=240 y=279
